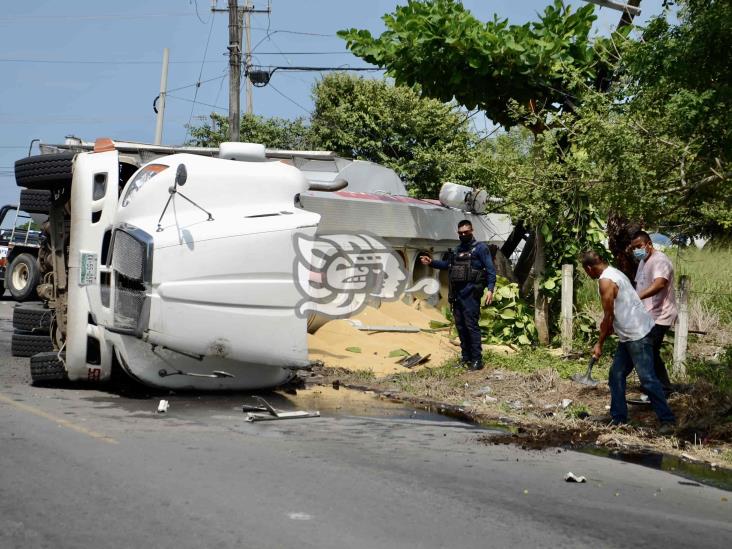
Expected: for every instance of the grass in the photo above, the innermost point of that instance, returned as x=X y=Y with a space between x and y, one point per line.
x=529 y=361
x=362 y=376
x=716 y=372
x=444 y=379
x=708 y=272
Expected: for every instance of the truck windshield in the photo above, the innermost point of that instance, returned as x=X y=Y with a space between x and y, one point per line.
x=18 y=226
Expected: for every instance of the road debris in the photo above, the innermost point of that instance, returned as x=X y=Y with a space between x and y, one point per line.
x=163 y=406
x=375 y=329
x=571 y=477
x=266 y=412
x=413 y=360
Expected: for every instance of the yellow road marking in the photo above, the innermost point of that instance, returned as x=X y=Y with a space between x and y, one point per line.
x=57 y=420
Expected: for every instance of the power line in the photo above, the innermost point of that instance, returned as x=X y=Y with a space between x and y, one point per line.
x=198 y=83
x=142 y=62
x=35 y=18
x=200 y=74
x=196 y=102
x=289 y=99
x=195 y=3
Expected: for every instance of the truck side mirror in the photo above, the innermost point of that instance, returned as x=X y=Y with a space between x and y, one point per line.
x=181 y=175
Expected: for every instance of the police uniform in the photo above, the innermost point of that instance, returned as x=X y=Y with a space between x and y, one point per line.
x=471 y=271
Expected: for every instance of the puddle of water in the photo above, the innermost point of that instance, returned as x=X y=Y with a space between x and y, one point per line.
x=348 y=402
x=352 y=403
x=701 y=473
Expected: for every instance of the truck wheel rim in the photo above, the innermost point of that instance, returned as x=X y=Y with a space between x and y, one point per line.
x=20 y=276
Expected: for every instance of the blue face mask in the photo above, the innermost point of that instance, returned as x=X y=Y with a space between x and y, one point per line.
x=640 y=254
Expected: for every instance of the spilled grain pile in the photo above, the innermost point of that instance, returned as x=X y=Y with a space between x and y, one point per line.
x=341 y=344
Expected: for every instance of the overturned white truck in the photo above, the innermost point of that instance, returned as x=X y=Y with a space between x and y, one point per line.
x=177 y=265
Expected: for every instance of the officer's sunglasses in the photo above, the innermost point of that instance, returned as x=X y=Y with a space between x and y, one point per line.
x=467 y=231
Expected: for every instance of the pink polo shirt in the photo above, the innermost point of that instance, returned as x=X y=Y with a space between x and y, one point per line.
x=662 y=306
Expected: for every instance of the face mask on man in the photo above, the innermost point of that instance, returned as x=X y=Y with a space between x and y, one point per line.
x=640 y=254
x=465 y=238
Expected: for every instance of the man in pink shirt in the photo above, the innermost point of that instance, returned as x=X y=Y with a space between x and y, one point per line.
x=654 y=282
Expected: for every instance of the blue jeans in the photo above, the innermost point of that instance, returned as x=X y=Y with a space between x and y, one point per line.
x=637 y=353
x=657 y=334
x=466 y=312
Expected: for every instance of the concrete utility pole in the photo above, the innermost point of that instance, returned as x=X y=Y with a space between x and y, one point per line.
x=239 y=18
x=161 y=103
x=234 y=69
x=248 y=57
x=631 y=7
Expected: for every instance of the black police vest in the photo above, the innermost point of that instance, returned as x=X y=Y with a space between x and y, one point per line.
x=461 y=268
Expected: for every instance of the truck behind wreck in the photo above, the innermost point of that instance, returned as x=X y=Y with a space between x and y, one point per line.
x=176 y=266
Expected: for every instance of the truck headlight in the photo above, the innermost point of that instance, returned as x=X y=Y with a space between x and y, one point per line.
x=142 y=177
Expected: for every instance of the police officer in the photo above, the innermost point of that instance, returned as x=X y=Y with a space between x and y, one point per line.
x=470 y=272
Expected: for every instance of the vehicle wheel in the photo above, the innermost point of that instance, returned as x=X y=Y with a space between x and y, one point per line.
x=46 y=368
x=30 y=344
x=35 y=200
x=33 y=318
x=21 y=278
x=44 y=171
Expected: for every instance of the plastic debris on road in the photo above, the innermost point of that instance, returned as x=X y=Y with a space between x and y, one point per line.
x=163 y=406
x=266 y=412
x=571 y=477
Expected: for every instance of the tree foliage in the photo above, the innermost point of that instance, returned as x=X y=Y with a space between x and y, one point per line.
x=440 y=48
x=275 y=133
x=424 y=140
x=665 y=131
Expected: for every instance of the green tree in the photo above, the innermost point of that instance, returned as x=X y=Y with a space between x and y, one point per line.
x=440 y=48
x=665 y=131
x=275 y=133
x=527 y=74
x=425 y=141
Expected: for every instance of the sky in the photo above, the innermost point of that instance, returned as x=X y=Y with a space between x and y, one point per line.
x=91 y=68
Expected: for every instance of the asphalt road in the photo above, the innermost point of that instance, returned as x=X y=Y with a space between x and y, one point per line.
x=86 y=468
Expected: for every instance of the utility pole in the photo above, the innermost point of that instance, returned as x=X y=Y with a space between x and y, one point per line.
x=234 y=69
x=239 y=18
x=161 y=104
x=248 y=57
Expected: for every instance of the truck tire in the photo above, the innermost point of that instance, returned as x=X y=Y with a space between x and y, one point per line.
x=32 y=318
x=35 y=200
x=21 y=277
x=46 y=368
x=30 y=344
x=44 y=171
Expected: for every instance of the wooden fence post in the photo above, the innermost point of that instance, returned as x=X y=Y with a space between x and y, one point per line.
x=681 y=332
x=567 y=306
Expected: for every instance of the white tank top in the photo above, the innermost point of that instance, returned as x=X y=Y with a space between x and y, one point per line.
x=632 y=321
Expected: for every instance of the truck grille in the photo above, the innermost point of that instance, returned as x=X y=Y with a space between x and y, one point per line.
x=130 y=257
x=128 y=305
